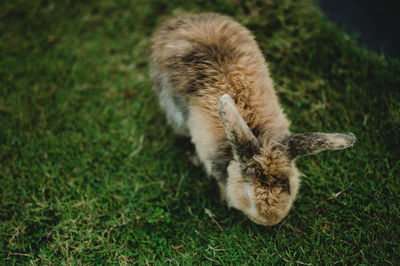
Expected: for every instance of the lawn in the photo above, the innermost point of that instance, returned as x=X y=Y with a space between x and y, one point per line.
x=90 y=172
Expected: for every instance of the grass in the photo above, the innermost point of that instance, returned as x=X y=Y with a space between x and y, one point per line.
x=91 y=173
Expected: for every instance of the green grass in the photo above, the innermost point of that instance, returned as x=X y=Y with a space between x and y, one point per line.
x=91 y=173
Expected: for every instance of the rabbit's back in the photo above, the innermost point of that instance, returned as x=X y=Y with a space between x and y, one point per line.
x=195 y=59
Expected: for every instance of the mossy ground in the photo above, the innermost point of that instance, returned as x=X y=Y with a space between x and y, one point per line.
x=91 y=173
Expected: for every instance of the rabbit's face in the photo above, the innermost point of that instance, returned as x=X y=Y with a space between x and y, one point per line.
x=264 y=186
x=262 y=178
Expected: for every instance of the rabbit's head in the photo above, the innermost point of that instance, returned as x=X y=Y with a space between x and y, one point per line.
x=262 y=178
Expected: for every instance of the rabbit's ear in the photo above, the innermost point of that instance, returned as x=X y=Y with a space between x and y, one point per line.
x=309 y=143
x=242 y=140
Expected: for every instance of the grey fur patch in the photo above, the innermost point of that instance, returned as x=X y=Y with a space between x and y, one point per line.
x=205 y=53
x=176 y=110
x=173 y=104
x=196 y=63
x=244 y=148
x=220 y=161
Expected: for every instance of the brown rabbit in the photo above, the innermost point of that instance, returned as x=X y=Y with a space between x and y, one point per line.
x=214 y=85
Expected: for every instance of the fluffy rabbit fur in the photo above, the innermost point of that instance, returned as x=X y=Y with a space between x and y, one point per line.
x=214 y=85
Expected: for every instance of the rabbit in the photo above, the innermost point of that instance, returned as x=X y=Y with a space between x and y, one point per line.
x=214 y=85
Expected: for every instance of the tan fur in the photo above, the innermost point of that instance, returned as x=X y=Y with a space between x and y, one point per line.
x=195 y=60
x=243 y=73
